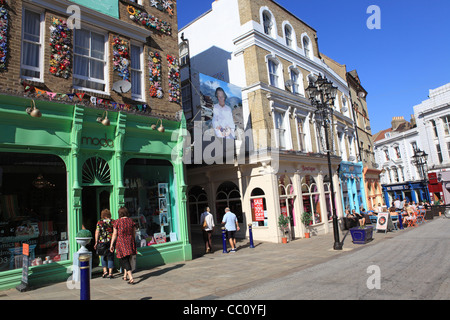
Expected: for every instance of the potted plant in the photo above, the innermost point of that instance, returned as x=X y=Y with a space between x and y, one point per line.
x=361 y=234
x=306 y=220
x=283 y=224
x=83 y=238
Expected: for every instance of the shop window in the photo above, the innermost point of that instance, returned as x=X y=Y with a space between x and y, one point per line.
x=287 y=198
x=149 y=197
x=198 y=201
x=33 y=209
x=89 y=60
x=311 y=198
x=32 y=49
x=228 y=195
x=259 y=208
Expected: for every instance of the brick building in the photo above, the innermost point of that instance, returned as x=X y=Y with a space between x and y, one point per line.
x=89 y=116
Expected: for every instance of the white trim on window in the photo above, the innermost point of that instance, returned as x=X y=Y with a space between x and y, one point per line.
x=137 y=96
x=274 y=71
x=40 y=43
x=289 y=40
x=102 y=82
x=268 y=27
x=307 y=46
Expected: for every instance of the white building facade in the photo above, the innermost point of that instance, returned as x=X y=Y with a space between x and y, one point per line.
x=271 y=55
x=433 y=124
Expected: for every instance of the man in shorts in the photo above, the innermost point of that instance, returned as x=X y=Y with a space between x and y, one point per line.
x=231 y=225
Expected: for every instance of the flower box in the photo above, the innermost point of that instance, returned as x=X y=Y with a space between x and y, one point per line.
x=361 y=235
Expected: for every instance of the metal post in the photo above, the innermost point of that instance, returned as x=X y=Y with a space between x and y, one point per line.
x=337 y=243
x=250 y=233
x=85 y=275
x=224 y=240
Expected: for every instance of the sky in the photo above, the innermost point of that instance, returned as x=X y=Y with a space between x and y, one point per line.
x=398 y=63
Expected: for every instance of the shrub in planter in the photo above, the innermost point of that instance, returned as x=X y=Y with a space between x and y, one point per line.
x=283 y=224
x=306 y=219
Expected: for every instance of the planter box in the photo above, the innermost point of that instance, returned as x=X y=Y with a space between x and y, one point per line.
x=362 y=235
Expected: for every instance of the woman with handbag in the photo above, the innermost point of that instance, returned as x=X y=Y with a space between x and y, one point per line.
x=103 y=235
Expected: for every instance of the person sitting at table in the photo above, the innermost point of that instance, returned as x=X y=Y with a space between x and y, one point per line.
x=407 y=214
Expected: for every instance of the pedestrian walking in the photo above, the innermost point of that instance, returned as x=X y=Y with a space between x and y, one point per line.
x=124 y=236
x=103 y=235
x=207 y=223
x=231 y=225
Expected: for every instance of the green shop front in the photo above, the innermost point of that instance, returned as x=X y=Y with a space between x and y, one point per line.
x=58 y=171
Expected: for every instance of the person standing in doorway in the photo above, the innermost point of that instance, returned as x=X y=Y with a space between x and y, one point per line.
x=125 y=234
x=231 y=225
x=207 y=223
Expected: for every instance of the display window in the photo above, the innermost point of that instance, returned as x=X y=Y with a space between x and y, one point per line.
x=198 y=201
x=228 y=195
x=311 y=198
x=259 y=208
x=33 y=209
x=149 y=190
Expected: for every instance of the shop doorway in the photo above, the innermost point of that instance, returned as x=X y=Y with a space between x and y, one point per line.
x=94 y=200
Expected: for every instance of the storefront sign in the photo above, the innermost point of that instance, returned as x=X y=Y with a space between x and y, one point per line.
x=258 y=206
x=384 y=221
x=304 y=168
x=104 y=142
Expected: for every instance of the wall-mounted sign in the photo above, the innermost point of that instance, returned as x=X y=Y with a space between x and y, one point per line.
x=104 y=142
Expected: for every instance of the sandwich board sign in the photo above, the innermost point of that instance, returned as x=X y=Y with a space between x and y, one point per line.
x=384 y=222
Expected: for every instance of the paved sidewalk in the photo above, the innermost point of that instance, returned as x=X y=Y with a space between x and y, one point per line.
x=208 y=276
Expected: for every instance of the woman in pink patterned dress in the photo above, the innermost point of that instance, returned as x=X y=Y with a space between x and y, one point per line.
x=125 y=234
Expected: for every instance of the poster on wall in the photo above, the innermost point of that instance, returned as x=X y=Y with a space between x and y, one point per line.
x=258 y=207
x=162 y=189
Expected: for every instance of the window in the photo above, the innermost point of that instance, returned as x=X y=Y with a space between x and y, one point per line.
x=228 y=195
x=198 y=201
x=187 y=100
x=150 y=197
x=267 y=23
x=31 y=65
x=33 y=209
x=184 y=54
x=281 y=129
x=307 y=47
x=288 y=35
x=259 y=208
x=446 y=121
x=295 y=83
x=273 y=73
x=386 y=154
x=89 y=60
x=448 y=148
x=397 y=152
x=136 y=72
x=433 y=124
x=439 y=153
x=311 y=198
x=287 y=197
x=414 y=146
x=301 y=135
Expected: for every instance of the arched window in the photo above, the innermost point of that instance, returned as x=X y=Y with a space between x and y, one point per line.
x=311 y=198
x=287 y=198
x=259 y=208
x=288 y=36
x=307 y=47
x=274 y=70
x=267 y=23
x=198 y=201
x=228 y=195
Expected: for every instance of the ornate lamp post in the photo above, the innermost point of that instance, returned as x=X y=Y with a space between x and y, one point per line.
x=322 y=94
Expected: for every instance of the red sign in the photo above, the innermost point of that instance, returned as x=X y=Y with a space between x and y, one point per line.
x=258 y=206
x=26 y=249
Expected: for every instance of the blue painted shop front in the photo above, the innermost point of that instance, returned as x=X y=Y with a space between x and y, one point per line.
x=353 y=193
x=411 y=191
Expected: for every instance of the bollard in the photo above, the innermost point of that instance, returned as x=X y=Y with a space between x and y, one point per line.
x=224 y=240
x=85 y=275
x=400 y=221
x=250 y=233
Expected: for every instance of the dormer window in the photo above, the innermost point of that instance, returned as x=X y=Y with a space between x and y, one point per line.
x=288 y=35
x=307 y=47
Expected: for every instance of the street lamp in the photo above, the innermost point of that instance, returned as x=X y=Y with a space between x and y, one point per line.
x=322 y=93
x=420 y=160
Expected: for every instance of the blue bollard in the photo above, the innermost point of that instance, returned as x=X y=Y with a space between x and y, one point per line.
x=224 y=240
x=400 y=221
x=85 y=275
x=250 y=233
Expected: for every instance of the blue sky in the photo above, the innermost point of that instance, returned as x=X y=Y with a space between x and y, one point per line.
x=397 y=64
